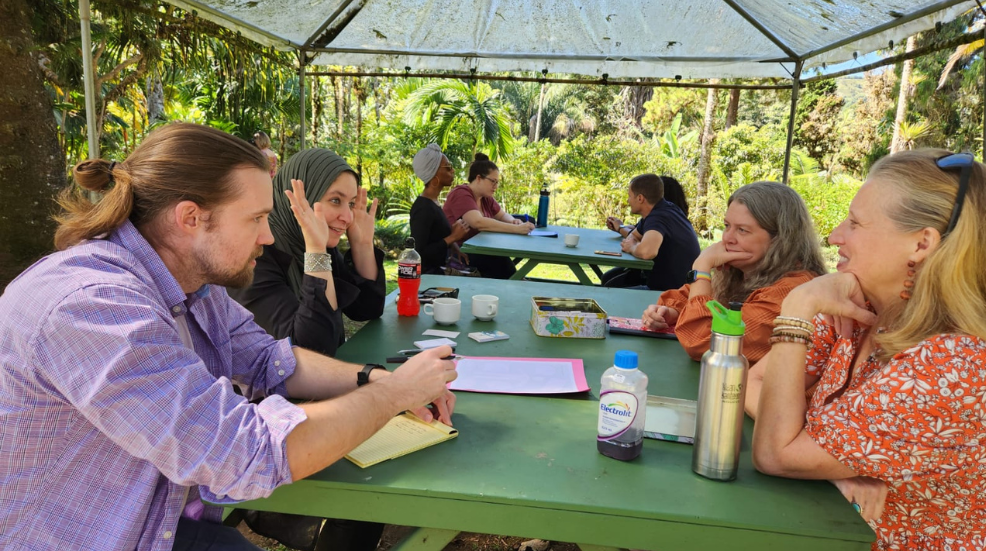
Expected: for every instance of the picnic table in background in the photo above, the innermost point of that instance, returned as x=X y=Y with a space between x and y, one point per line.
x=528 y=466
x=552 y=250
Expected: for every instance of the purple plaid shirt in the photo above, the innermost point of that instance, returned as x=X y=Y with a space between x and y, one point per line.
x=107 y=420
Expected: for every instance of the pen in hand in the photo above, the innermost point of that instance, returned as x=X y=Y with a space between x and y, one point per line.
x=402 y=359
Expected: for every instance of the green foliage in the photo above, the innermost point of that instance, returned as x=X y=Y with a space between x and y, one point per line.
x=595 y=173
x=827 y=200
x=450 y=104
x=212 y=76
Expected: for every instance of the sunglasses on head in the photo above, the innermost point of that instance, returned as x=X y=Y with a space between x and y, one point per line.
x=963 y=162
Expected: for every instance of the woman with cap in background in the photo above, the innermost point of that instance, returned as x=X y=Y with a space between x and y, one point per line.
x=302 y=284
x=434 y=237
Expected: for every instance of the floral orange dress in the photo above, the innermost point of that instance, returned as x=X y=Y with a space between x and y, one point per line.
x=918 y=423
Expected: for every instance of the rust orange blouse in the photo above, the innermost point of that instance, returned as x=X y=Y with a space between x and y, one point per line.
x=694 y=327
x=917 y=423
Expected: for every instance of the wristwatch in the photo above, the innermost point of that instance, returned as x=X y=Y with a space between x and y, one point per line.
x=694 y=275
x=363 y=376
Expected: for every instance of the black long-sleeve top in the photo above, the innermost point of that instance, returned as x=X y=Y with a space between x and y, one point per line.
x=311 y=322
x=429 y=228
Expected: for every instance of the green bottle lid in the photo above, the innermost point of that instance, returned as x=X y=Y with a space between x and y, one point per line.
x=727 y=321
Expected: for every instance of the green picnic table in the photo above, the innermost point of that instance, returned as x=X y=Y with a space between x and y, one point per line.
x=552 y=250
x=528 y=466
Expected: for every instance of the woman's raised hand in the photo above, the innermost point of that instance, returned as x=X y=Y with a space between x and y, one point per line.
x=360 y=232
x=312 y=221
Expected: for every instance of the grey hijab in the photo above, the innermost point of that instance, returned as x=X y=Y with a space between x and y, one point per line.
x=318 y=169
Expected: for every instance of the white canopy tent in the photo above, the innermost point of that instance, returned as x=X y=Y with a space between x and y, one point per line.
x=615 y=39
x=696 y=39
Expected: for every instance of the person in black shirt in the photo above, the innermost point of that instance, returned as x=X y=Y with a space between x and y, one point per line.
x=664 y=234
x=302 y=285
x=632 y=277
x=434 y=239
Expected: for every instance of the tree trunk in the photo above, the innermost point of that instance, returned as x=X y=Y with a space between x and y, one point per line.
x=704 y=159
x=634 y=98
x=32 y=165
x=537 y=128
x=897 y=143
x=155 y=96
x=340 y=115
x=317 y=106
x=358 y=88
x=732 y=111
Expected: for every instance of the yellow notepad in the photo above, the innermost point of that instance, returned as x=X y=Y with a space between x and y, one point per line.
x=402 y=435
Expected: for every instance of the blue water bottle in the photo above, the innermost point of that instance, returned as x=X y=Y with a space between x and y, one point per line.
x=542 y=220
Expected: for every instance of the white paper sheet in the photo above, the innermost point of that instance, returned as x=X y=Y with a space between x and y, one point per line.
x=520 y=375
x=440 y=333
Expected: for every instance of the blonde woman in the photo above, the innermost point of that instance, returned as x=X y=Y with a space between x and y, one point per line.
x=895 y=343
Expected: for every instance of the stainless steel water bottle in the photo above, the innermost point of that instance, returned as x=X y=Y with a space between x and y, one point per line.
x=721 y=396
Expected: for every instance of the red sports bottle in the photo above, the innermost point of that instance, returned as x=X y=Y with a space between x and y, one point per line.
x=408 y=280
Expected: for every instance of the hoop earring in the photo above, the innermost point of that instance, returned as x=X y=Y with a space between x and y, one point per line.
x=909 y=282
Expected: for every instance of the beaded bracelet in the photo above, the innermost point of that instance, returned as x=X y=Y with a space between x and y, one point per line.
x=798 y=322
x=791 y=338
x=795 y=329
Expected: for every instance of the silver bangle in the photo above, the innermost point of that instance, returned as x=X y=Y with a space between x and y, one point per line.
x=318 y=262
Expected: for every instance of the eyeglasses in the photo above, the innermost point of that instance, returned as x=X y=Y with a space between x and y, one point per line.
x=964 y=162
x=495 y=182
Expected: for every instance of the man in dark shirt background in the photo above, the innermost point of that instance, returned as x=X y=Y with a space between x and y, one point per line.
x=663 y=235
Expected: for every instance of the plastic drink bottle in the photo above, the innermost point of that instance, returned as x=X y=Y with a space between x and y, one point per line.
x=408 y=280
x=542 y=219
x=721 y=396
x=622 y=408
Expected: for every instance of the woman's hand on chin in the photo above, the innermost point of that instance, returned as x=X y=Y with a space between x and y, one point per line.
x=716 y=256
x=836 y=296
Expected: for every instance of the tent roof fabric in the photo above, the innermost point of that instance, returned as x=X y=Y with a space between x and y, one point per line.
x=694 y=39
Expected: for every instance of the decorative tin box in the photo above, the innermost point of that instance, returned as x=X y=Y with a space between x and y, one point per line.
x=579 y=318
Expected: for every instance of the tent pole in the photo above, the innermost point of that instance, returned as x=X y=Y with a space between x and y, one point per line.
x=302 y=59
x=88 y=75
x=795 y=88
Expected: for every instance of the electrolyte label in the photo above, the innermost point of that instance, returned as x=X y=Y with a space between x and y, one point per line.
x=617 y=410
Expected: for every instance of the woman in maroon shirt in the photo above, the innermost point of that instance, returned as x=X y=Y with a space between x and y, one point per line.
x=474 y=204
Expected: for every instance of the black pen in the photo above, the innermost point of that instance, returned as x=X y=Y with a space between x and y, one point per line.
x=402 y=359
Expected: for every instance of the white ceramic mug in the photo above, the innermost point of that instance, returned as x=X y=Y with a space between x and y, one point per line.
x=571 y=240
x=484 y=307
x=446 y=310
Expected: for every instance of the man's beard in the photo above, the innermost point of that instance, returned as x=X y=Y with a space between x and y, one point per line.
x=235 y=279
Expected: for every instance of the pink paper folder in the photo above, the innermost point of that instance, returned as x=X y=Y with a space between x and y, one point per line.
x=520 y=375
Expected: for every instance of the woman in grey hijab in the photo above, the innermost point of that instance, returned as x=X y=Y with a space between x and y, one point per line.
x=302 y=284
x=301 y=287
x=434 y=238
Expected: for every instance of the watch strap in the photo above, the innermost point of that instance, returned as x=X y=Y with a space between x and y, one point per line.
x=695 y=275
x=363 y=377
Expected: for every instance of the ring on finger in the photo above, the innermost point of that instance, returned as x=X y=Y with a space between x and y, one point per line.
x=856 y=506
